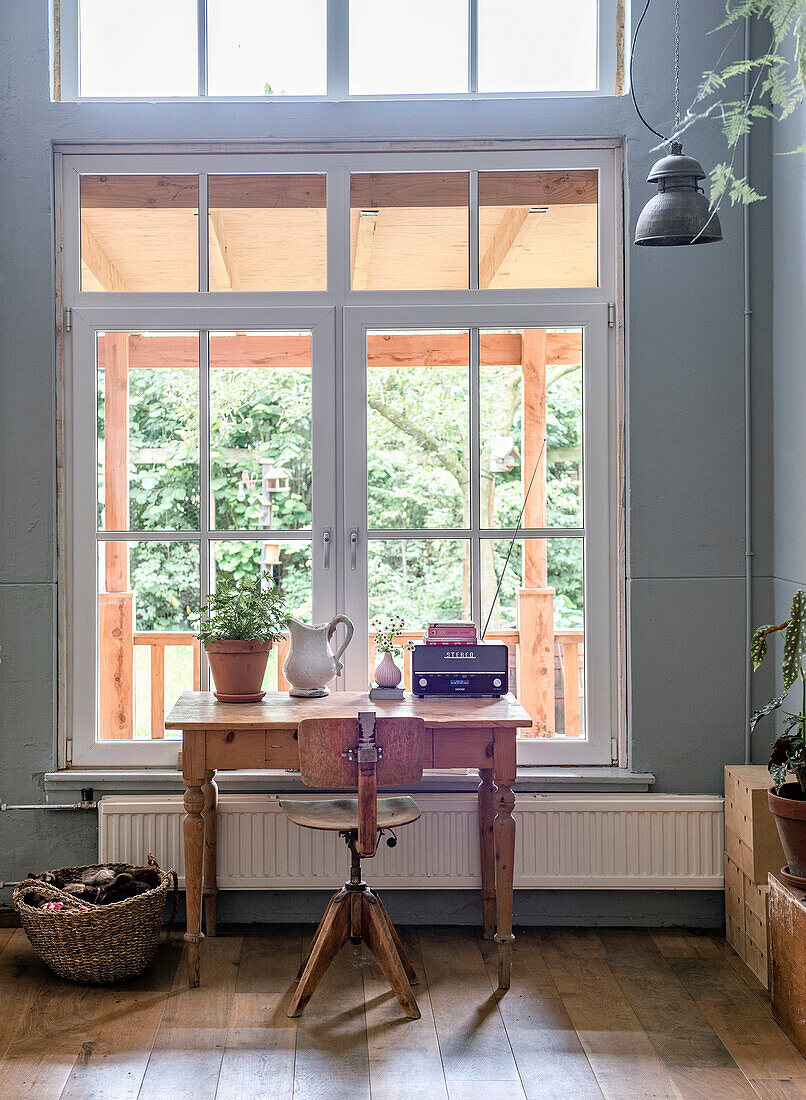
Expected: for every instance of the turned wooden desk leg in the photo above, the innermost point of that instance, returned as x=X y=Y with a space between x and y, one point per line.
x=210 y=814
x=487 y=846
x=504 y=833
x=194 y=856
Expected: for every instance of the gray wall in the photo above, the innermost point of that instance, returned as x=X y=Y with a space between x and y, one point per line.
x=685 y=403
x=786 y=506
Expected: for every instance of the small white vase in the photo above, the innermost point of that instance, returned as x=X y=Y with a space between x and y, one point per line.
x=387 y=674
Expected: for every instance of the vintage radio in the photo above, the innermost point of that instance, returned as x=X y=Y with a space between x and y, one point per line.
x=460 y=670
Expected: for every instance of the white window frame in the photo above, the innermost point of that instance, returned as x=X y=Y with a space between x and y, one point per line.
x=338 y=60
x=338 y=317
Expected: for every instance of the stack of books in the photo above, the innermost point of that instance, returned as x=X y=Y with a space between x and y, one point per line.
x=446 y=633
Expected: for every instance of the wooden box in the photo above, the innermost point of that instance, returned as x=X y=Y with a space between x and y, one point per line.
x=746 y=919
x=787 y=958
x=751 y=837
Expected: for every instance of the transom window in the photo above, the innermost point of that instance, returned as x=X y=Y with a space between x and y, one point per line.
x=358 y=372
x=336 y=48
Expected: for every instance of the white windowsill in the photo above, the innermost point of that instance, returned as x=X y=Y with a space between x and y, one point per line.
x=65 y=786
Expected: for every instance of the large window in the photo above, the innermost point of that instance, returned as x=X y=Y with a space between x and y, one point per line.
x=337 y=48
x=386 y=378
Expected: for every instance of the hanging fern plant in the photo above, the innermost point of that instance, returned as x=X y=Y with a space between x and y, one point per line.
x=777 y=87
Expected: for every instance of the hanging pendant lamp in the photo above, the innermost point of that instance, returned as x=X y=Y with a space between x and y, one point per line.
x=680 y=212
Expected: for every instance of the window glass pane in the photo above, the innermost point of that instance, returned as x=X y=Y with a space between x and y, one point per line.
x=148 y=594
x=266 y=47
x=260 y=430
x=538 y=45
x=289 y=563
x=408 y=46
x=531 y=390
x=139 y=233
x=419 y=579
x=538 y=229
x=148 y=431
x=417 y=429
x=268 y=233
x=542 y=601
x=143 y=49
x=409 y=231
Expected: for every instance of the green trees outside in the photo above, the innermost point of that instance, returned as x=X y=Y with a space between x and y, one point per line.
x=418 y=478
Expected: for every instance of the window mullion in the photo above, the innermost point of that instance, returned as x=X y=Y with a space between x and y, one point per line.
x=338 y=48
x=201 y=55
x=473 y=46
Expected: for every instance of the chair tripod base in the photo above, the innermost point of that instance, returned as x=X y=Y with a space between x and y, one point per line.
x=356 y=913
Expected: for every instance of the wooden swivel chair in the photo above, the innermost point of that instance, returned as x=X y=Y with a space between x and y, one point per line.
x=358 y=753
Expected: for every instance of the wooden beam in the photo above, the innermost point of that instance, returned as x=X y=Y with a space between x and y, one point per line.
x=368 y=190
x=509 y=229
x=362 y=258
x=135 y=192
x=535 y=611
x=498 y=349
x=268 y=192
x=222 y=263
x=573 y=188
x=96 y=261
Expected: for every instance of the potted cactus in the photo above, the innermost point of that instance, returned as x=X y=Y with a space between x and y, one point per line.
x=787 y=799
x=237 y=627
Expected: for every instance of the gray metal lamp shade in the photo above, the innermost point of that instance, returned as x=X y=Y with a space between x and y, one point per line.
x=680 y=212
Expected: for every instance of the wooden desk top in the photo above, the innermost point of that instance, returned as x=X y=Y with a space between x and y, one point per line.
x=195 y=710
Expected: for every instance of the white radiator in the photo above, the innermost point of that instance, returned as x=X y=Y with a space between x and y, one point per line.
x=564 y=841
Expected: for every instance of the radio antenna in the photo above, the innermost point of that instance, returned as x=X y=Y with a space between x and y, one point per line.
x=512 y=540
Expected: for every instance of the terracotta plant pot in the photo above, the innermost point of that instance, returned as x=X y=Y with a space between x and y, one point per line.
x=238 y=668
x=789 y=810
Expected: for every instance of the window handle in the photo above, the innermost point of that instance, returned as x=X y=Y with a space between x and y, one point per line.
x=353 y=547
x=326 y=532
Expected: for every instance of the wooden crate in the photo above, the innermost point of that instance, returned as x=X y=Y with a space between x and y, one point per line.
x=787 y=959
x=751 y=837
x=746 y=919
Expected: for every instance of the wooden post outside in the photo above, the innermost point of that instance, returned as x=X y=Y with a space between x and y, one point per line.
x=116 y=665
x=571 y=682
x=157 y=653
x=533 y=432
x=536 y=652
x=535 y=599
x=116 y=604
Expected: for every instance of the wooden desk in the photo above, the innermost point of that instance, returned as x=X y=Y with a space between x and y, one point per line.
x=460 y=733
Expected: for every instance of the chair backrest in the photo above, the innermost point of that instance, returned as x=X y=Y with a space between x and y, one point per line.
x=328 y=750
x=361 y=753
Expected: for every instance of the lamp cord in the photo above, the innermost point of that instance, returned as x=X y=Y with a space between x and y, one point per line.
x=652 y=129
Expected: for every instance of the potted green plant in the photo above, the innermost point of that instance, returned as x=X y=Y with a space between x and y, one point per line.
x=787 y=800
x=237 y=627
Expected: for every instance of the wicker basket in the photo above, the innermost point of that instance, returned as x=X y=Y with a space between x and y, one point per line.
x=105 y=943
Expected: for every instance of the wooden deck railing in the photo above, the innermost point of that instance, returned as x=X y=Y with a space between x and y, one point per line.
x=569 y=665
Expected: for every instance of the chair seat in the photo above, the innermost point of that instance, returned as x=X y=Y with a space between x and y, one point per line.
x=341 y=814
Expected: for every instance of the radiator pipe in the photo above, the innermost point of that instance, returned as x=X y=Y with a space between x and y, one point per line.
x=748 y=451
x=87 y=803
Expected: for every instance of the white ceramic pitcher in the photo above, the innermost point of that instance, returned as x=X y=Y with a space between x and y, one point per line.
x=311 y=663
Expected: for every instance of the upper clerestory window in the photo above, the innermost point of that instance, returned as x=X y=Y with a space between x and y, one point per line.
x=335 y=49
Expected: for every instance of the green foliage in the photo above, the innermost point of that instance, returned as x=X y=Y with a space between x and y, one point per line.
x=418 y=477
x=795 y=640
x=777 y=87
x=789 y=751
x=247 y=610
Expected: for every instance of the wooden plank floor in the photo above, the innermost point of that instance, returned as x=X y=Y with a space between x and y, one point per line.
x=591 y=1014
